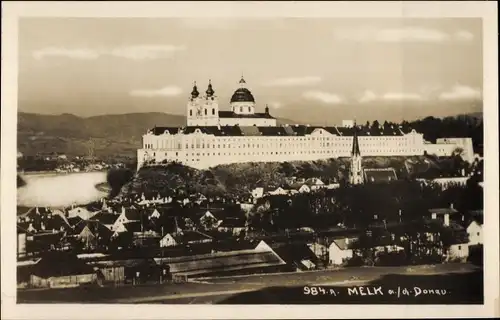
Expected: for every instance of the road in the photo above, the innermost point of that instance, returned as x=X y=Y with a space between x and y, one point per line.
x=463 y=279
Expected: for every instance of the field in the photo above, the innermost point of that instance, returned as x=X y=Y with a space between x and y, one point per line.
x=463 y=284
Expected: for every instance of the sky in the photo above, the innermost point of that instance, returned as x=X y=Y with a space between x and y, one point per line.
x=307 y=69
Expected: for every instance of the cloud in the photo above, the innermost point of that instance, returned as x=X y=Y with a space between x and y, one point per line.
x=463 y=35
x=138 y=52
x=276 y=105
x=79 y=54
x=369 y=96
x=293 y=81
x=322 y=96
x=145 y=52
x=168 y=91
x=461 y=92
x=403 y=34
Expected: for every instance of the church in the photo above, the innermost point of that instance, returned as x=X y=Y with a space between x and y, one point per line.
x=240 y=133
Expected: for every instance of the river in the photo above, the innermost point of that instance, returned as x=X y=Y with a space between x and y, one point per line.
x=60 y=189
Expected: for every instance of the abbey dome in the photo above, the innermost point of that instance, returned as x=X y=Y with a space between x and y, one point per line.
x=242 y=95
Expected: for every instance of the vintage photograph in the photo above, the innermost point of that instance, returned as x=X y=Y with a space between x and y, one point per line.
x=284 y=160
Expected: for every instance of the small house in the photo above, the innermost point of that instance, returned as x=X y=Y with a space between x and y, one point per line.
x=81 y=212
x=382 y=175
x=232 y=225
x=443 y=214
x=339 y=251
x=314 y=184
x=475 y=231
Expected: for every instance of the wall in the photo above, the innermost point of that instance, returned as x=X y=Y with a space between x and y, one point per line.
x=202 y=151
x=475 y=232
x=458 y=251
x=337 y=256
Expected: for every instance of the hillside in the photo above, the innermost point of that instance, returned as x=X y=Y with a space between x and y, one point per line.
x=120 y=134
x=111 y=134
x=240 y=178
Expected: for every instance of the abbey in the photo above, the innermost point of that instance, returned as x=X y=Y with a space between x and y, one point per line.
x=242 y=134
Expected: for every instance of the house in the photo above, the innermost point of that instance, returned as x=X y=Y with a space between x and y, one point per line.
x=297 y=255
x=300 y=188
x=314 y=184
x=155 y=214
x=333 y=186
x=278 y=191
x=382 y=175
x=450 y=181
x=81 y=212
x=106 y=219
x=92 y=233
x=259 y=260
x=126 y=215
x=475 y=231
x=443 y=214
x=184 y=238
x=233 y=225
x=60 y=270
x=42 y=241
x=257 y=193
x=340 y=250
x=458 y=251
x=208 y=221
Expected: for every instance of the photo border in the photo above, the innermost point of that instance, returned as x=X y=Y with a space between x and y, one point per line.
x=450 y=9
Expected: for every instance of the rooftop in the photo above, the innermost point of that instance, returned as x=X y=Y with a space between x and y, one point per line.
x=222 y=261
x=282 y=130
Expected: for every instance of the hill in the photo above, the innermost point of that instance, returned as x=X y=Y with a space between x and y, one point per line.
x=111 y=134
x=239 y=179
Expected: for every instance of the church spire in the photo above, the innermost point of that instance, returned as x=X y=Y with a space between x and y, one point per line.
x=355 y=143
x=195 y=93
x=210 y=91
x=356 y=172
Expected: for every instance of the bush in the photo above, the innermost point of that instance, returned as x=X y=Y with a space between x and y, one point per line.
x=355 y=261
x=476 y=255
x=391 y=258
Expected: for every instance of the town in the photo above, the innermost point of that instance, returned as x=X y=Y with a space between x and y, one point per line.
x=172 y=223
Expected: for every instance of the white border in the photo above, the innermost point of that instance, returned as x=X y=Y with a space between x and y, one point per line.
x=12 y=10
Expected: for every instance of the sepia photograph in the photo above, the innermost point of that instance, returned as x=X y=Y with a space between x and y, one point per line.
x=251 y=160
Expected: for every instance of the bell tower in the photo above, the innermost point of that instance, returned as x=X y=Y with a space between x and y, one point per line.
x=356 y=168
x=203 y=111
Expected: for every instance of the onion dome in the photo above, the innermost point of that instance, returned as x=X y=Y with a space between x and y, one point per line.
x=242 y=94
x=210 y=91
x=195 y=93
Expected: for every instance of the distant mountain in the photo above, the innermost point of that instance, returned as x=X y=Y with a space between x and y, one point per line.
x=107 y=135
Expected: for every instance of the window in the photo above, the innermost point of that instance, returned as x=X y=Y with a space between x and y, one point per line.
x=190 y=113
x=249 y=109
x=206 y=112
x=241 y=109
x=213 y=111
x=478 y=233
